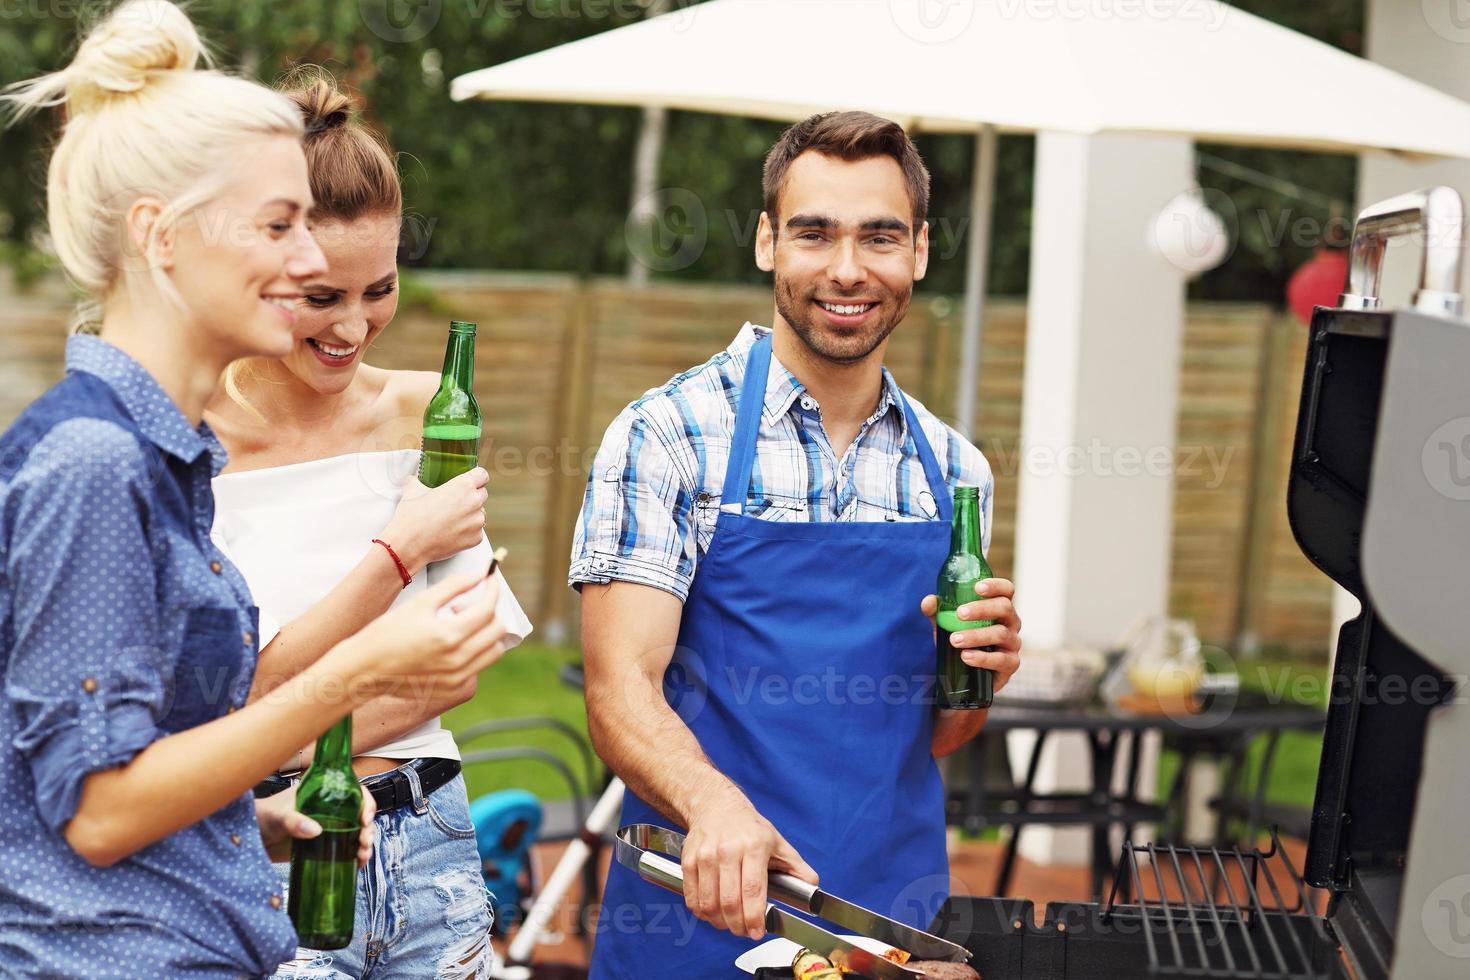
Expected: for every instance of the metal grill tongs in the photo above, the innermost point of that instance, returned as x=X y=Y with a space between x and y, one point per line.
x=650 y=850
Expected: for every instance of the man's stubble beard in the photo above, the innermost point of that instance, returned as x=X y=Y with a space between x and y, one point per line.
x=812 y=335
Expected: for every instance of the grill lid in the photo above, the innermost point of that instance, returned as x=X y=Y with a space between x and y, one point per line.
x=1384 y=402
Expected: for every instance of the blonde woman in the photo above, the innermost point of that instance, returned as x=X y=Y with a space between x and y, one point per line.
x=129 y=845
x=318 y=510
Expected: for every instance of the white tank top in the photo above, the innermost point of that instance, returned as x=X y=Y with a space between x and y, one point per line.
x=296 y=531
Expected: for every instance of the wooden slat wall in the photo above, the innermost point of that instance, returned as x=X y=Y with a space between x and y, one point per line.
x=1219 y=386
x=558 y=358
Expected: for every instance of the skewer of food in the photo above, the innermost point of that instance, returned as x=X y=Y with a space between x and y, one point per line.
x=814 y=966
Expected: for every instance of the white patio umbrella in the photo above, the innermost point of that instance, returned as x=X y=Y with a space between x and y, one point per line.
x=1198 y=68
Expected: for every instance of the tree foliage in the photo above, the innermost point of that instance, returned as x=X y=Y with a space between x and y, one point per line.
x=533 y=186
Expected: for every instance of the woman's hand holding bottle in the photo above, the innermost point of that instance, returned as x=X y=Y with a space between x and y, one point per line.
x=434 y=524
x=281 y=823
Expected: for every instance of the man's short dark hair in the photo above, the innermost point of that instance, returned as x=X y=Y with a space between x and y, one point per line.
x=848 y=136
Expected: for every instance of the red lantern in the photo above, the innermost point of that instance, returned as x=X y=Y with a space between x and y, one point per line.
x=1319 y=282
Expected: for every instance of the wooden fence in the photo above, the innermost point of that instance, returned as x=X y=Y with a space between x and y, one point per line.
x=559 y=357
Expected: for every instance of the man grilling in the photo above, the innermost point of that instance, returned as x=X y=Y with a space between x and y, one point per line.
x=754 y=553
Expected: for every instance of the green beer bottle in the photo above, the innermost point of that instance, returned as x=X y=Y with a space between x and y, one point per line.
x=960 y=685
x=452 y=420
x=323 y=889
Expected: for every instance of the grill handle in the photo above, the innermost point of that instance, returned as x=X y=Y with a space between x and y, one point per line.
x=1436 y=213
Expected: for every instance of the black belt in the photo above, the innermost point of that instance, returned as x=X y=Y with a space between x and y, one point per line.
x=391 y=789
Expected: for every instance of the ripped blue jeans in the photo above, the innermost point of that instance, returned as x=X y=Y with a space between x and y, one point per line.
x=422 y=908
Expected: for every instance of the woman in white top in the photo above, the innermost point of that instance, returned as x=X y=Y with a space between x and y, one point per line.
x=318 y=509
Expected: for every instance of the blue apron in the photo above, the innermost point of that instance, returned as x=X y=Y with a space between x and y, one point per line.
x=806 y=671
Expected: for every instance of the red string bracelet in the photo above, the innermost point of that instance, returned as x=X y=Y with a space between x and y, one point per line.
x=402 y=568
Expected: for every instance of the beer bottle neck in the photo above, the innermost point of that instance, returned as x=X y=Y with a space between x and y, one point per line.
x=459 y=362
x=964 y=536
x=334 y=748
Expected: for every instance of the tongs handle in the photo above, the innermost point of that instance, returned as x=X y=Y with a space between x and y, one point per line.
x=659 y=870
x=791 y=890
x=667 y=873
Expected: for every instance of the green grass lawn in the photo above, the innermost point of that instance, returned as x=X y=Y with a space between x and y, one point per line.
x=1293 y=778
x=523 y=683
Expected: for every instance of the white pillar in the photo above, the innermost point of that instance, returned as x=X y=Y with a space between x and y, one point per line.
x=1103 y=338
x=1428 y=42
x=1345 y=607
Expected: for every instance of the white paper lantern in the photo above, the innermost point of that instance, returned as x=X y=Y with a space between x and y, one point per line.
x=1190 y=235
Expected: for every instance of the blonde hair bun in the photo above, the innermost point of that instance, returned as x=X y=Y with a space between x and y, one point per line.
x=140 y=39
x=118 y=57
x=142 y=119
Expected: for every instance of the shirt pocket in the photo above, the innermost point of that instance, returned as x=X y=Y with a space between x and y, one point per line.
x=777 y=507
x=208 y=669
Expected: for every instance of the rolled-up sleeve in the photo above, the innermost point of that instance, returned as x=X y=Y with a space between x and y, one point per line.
x=87 y=675
x=637 y=519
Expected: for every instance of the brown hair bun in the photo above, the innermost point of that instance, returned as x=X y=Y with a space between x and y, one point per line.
x=351 y=166
x=322 y=106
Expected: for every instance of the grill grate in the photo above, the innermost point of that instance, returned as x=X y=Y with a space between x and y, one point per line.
x=1219 y=912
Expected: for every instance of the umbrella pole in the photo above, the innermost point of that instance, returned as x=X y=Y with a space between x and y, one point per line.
x=644 y=212
x=650 y=151
x=977 y=263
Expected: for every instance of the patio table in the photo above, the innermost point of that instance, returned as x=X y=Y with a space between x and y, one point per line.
x=1224 y=729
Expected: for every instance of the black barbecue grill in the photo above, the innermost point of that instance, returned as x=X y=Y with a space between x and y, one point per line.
x=1380 y=501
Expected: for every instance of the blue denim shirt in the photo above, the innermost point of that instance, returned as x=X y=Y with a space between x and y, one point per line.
x=122 y=624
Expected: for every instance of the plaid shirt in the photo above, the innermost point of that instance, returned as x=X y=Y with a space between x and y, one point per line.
x=653 y=495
